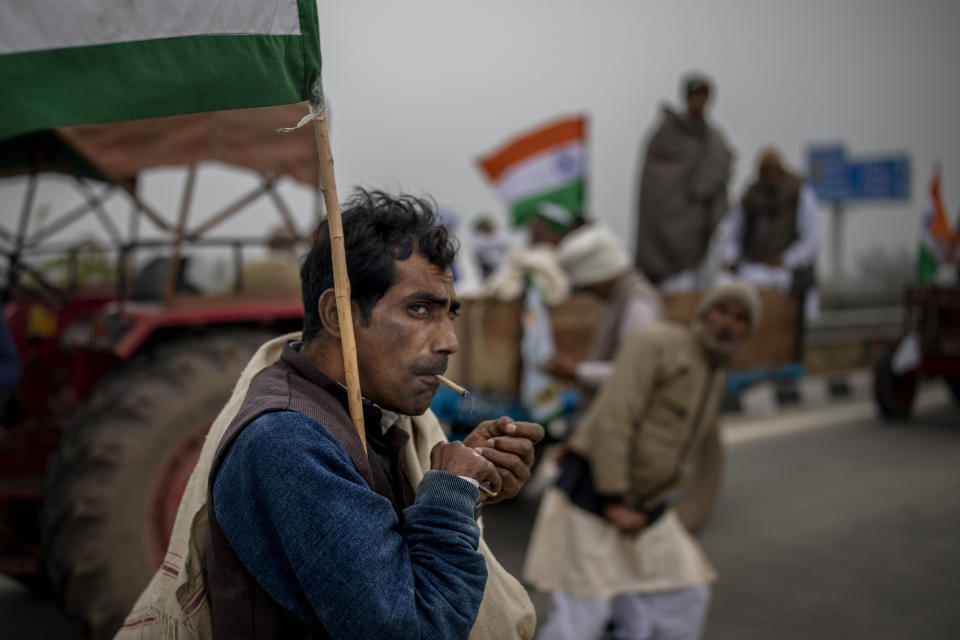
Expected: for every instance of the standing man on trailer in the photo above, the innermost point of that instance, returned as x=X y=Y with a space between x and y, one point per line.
x=683 y=192
x=774 y=233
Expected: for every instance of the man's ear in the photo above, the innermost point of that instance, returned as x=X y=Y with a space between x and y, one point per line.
x=327 y=309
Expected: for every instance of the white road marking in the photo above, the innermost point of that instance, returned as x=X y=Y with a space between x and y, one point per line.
x=821 y=417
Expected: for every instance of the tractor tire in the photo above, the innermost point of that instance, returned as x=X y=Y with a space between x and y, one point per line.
x=701 y=488
x=893 y=393
x=114 y=485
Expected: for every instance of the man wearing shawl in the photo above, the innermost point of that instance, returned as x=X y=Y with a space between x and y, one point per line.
x=683 y=192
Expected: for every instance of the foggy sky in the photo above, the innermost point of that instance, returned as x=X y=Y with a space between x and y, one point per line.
x=419 y=89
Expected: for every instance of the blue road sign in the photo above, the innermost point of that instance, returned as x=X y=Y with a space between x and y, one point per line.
x=828 y=173
x=881 y=179
x=835 y=177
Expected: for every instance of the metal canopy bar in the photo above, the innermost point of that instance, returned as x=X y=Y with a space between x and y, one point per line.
x=187 y=197
x=68 y=218
x=232 y=209
x=148 y=211
x=52 y=291
x=54 y=249
x=97 y=207
x=282 y=207
x=28 y=199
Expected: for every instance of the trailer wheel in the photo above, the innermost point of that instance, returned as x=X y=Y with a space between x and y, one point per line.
x=700 y=490
x=893 y=393
x=115 y=483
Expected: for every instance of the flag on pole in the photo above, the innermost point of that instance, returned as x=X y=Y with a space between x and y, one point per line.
x=935 y=235
x=91 y=61
x=539 y=392
x=542 y=171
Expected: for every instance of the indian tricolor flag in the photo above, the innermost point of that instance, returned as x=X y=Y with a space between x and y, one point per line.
x=935 y=235
x=66 y=62
x=542 y=171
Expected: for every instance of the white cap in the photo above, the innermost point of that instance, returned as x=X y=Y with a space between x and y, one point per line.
x=592 y=254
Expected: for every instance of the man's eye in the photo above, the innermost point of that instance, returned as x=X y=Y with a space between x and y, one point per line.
x=419 y=310
x=453 y=314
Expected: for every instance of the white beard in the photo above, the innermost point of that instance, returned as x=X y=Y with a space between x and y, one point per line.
x=713 y=346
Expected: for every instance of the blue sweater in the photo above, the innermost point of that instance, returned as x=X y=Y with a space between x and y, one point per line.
x=326 y=547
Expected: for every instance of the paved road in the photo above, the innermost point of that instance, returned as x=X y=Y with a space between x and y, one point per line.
x=848 y=532
x=831 y=525
x=828 y=527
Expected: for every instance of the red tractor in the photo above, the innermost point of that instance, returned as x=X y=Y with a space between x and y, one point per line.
x=929 y=348
x=120 y=382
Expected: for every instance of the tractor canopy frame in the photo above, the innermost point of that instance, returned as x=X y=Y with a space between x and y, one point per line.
x=114 y=154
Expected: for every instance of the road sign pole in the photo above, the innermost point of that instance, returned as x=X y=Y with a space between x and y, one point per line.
x=837 y=241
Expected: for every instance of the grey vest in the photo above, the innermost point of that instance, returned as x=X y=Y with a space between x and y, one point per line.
x=770 y=220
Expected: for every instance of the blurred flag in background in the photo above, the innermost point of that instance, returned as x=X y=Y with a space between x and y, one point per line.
x=541 y=170
x=935 y=235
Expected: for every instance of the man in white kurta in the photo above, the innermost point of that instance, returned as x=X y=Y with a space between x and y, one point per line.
x=773 y=233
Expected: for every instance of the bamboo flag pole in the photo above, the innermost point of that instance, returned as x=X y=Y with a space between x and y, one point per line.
x=341 y=279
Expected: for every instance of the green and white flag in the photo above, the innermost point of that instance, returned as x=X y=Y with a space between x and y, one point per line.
x=90 y=61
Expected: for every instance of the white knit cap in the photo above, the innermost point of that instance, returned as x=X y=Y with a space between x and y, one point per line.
x=735 y=289
x=592 y=254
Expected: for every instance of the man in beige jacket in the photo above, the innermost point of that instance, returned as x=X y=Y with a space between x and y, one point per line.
x=606 y=543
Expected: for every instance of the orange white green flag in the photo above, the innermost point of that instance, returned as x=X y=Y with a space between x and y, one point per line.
x=542 y=171
x=935 y=235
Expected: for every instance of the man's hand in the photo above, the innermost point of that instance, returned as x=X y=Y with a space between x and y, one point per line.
x=561 y=366
x=509 y=446
x=460 y=460
x=627 y=520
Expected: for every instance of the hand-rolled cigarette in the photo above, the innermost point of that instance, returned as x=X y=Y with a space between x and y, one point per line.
x=453 y=385
x=487 y=490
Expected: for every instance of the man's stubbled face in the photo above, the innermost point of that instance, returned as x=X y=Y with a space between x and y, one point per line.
x=408 y=338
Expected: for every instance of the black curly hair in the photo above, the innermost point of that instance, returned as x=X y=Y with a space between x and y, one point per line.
x=378 y=229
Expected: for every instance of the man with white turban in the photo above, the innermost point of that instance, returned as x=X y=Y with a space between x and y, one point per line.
x=595 y=262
